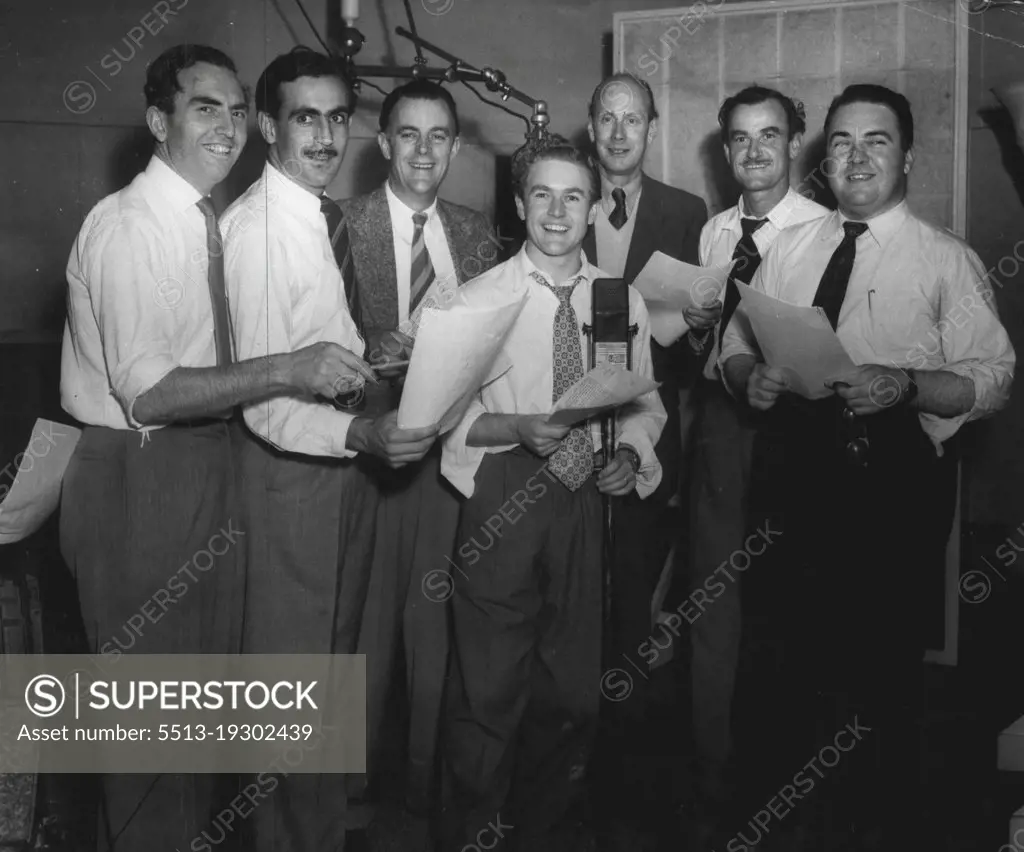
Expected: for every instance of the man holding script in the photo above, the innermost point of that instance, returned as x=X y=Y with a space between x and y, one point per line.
x=864 y=479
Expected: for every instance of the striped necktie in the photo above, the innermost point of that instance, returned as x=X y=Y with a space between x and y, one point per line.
x=421 y=271
x=573 y=461
x=337 y=232
x=215 y=278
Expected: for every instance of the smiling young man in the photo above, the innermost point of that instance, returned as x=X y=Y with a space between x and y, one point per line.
x=527 y=608
x=147 y=367
x=310 y=505
x=410 y=250
x=762 y=134
x=865 y=479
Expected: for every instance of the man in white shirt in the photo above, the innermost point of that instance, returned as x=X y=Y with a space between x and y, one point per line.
x=147 y=369
x=762 y=134
x=310 y=508
x=410 y=249
x=865 y=479
x=526 y=605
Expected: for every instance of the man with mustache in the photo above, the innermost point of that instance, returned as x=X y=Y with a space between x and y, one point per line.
x=526 y=609
x=762 y=134
x=865 y=478
x=310 y=506
x=147 y=367
x=410 y=251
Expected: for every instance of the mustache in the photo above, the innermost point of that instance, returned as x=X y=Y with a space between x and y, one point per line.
x=312 y=151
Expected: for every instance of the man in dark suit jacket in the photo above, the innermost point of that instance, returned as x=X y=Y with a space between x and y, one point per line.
x=638 y=216
x=410 y=250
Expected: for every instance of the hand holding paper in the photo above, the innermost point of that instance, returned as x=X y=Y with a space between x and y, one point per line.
x=671 y=286
x=798 y=340
x=602 y=388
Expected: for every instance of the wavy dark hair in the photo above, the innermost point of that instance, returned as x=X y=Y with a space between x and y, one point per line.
x=162 y=82
x=553 y=148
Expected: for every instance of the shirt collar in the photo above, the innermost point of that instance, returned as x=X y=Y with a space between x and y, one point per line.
x=632 y=190
x=527 y=267
x=779 y=215
x=401 y=213
x=171 y=186
x=293 y=196
x=881 y=228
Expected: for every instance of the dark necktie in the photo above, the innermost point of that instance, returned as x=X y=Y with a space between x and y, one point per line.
x=421 y=270
x=338 y=235
x=215 y=279
x=746 y=259
x=573 y=461
x=618 y=216
x=832 y=289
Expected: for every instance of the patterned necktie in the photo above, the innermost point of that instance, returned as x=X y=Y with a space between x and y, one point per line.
x=746 y=259
x=618 y=216
x=836 y=278
x=215 y=278
x=573 y=461
x=342 y=249
x=421 y=271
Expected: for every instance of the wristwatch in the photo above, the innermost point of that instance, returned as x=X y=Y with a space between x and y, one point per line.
x=910 y=394
x=634 y=457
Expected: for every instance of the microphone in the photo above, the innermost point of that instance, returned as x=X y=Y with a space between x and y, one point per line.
x=609 y=342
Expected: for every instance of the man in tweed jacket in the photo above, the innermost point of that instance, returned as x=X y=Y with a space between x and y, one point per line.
x=401 y=266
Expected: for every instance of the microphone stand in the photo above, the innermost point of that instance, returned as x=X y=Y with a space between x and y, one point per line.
x=351 y=42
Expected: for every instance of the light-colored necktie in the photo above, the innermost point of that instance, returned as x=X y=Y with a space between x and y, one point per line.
x=421 y=271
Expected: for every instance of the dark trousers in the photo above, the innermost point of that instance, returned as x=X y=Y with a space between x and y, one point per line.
x=842 y=602
x=310 y=546
x=524 y=688
x=719 y=511
x=416 y=523
x=152 y=532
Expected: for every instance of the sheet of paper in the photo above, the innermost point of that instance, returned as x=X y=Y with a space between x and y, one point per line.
x=797 y=339
x=457 y=351
x=599 y=390
x=32 y=481
x=670 y=286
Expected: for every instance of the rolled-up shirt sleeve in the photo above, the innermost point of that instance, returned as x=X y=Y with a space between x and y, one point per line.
x=131 y=272
x=264 y=283
x=640 y=423
x=975 y=344
x=459 y=461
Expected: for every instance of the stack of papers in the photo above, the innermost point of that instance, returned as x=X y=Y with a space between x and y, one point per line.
x=457 y=351
x=601 y=389
x=671 y=286
x=800 y=340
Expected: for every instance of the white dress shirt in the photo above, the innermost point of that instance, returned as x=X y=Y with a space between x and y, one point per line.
x=402 y=228
x=527 y=387
x=285 y=292
x=719 y=237
x=138 y=298
x=613 y=245
x=917 y=299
